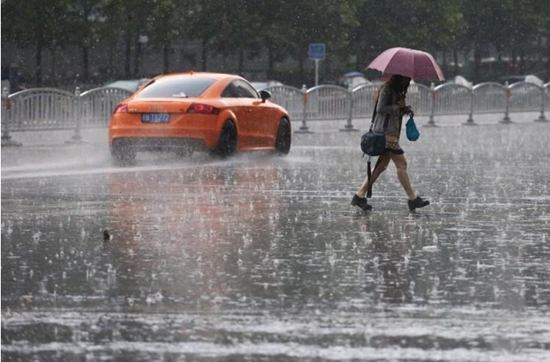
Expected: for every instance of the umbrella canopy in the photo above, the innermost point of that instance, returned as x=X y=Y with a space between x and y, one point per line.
x=408 y=62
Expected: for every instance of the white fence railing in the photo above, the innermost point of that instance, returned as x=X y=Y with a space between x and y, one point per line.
x=53 y=109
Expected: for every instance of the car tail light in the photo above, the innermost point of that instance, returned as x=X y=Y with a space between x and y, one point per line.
x=200 y=108
x=121 y=108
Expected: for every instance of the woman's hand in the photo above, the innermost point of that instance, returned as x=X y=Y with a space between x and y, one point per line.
x=407 y=110
x=403 y=106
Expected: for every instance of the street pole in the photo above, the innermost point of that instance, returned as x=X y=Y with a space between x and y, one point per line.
x=316 y=52
x=316 y=72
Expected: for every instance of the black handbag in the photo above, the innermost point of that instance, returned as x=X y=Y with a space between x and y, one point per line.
x=374 y=143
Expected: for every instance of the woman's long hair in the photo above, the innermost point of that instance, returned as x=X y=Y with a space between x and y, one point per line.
x=396 y=82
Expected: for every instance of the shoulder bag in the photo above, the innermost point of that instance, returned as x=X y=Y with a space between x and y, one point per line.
x=374 y=143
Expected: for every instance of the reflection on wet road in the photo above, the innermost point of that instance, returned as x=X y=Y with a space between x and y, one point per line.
x=260 y=258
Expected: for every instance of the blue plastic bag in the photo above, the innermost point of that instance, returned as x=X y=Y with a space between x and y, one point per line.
x=412 y=131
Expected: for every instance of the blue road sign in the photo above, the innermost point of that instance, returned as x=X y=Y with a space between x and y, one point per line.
x=316 y=51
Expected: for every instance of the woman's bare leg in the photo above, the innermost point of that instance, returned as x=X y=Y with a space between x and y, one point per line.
x=402 y=175
x=379 y=167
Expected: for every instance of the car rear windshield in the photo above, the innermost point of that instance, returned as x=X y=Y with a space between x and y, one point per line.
x=176 y=88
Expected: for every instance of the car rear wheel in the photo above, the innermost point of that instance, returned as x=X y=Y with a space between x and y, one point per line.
x=121 y=153
x=284 y=139
x=227 y=144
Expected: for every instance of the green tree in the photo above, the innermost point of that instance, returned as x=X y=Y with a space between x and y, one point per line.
x=227 y=28
x=323 y=21
x=477 y=31
x=440 y=25
x=110 y=28
x=170 y=18
x=544 y=37
x=134 y=19
x=203 y=28
x=273 y=33
x=36 y=23
x=83 y=19
x=520 y=24
x=282 y=30
x=422 y=24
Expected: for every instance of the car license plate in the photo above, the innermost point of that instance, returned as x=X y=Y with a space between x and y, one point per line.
x=155 y=117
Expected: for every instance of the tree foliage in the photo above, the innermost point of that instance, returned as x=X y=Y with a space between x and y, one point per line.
x=355 y=31
x=36 y=23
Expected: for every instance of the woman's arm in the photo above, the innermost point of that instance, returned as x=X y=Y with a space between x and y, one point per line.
x=385 y=102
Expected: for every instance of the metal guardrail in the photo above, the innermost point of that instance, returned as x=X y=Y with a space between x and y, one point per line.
x=41 y=109
x=53 y=109
x=97 y=105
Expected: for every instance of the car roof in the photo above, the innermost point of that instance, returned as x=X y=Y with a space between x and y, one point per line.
x=217 y=76
x=219 y=80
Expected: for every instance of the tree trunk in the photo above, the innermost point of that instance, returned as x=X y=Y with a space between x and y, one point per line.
x=455 y=60
x=522 y=65
x=85 y=45
x=166 y=56
x=204 y=53
x=513 y=62
x=52 y=70
x=128 y=55
x=361 y=62
x=302 y=74
x=38 y=71
x=241 y=63
x=112 y=48
x=270 y=64
x=477 y=63
x=137 y=55
x=301 y=63
x=85 y=63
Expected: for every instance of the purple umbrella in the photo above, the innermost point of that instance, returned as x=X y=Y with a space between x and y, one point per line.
x=408 y=62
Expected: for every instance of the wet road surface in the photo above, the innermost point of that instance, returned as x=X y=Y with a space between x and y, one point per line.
x=261 y=258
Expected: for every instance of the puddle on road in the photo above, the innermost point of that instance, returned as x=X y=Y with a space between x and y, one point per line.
x=263 y=258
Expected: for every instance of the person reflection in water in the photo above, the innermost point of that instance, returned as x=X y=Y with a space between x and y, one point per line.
x=389 y=117
x=394 y=286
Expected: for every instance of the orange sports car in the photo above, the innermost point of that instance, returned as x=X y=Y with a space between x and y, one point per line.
x=183 y=112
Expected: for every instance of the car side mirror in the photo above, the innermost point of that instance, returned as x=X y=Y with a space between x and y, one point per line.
x=264 y=95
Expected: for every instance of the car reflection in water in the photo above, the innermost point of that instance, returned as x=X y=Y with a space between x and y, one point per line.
x=188 y=237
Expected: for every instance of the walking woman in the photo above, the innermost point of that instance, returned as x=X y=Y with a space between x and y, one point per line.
x=389 y=117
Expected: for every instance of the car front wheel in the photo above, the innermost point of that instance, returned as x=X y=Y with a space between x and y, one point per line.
x=284 y=138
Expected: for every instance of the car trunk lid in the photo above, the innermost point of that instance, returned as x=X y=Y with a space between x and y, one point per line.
x=159 y=105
